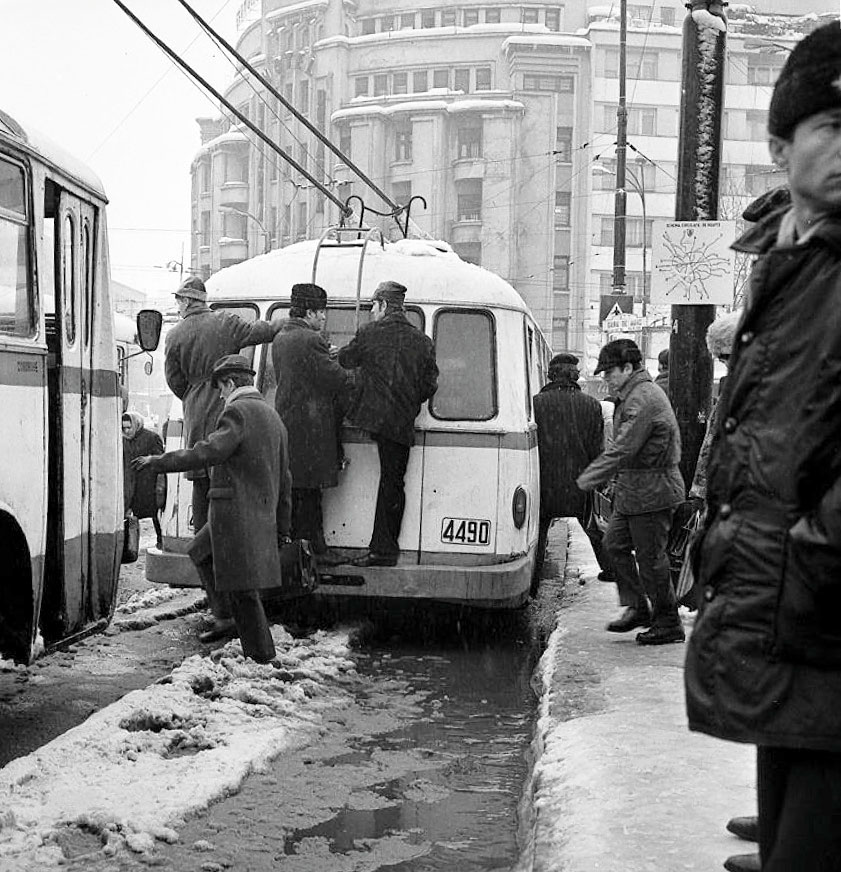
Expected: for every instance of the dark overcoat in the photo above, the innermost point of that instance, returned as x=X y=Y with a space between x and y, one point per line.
x=397 y=373
x=249 y=490
x=645 y=451
x=570 y=433
x=140 y=496
x=192 y=348
x=764 y=660
x=310 y=395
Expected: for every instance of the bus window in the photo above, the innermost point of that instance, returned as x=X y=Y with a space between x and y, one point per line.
x=87 y=265
x=529 y=337
x=248 y=313
x=466 y=355
x=68 y=261
x=16 y=304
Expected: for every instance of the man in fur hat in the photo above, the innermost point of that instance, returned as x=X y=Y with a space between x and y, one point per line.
x=396 y=374
x=764 y=660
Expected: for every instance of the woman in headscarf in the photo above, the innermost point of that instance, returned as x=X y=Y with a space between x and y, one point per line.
x=140 y=487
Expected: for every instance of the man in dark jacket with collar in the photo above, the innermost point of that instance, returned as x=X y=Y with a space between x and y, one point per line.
x=396 y=374
x=644 y=458
x=764 y=660
x=310 y=395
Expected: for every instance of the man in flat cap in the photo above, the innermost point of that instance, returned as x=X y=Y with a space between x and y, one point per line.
x=310 y=396
x=192 y=348
x=764 y=659
x=236 y=551
x=648 y=486
x=396 y=374
x=570 y=434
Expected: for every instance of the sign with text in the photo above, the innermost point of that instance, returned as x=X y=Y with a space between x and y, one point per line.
x=692 y=262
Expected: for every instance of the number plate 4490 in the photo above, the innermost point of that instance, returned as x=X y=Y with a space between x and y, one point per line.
x=465 y=531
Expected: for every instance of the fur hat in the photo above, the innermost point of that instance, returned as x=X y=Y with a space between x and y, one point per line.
x=618 y=353
x=193 y=288
x=308 y=296
x=228 y=365
x=810 y=81
x=722 y=332
x=392 y=292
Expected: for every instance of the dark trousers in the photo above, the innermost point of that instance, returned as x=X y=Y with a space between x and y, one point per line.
x=799 y=796
x=217 y=601
x=590 y=528
x=244 y=606
x=645 y=575
x=391 y=497
x=307 y=519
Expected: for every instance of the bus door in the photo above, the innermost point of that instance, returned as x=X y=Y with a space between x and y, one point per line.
x=70 y=427
x=461 y=459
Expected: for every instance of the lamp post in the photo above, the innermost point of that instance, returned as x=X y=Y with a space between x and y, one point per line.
x=246 y=214
x=638 y=185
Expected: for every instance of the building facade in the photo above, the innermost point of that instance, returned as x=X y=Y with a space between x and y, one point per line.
x=502 y=116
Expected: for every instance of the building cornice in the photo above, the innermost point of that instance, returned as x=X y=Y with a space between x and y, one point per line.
x=422 y=107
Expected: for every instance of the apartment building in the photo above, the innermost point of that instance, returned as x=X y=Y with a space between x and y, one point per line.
x=501 y=116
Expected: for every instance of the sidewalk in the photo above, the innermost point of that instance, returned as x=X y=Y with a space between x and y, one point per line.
x=620 y=784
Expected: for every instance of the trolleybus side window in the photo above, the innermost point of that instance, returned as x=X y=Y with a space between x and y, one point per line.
x=529 y=338
x=16 y=299
x=465 y=348
x=88 y=290
x=68 y=262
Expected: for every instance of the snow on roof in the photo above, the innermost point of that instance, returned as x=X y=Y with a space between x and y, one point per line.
x=235 y=134
x=477 y=104
x=224 y=714
x=430 y=269
x=296 y=7
x=548 y=38
x=429 y=32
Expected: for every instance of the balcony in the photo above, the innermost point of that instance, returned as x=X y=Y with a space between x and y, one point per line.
x=468 y=168
x=233 y=194
x=466 y=229
x=232 y=249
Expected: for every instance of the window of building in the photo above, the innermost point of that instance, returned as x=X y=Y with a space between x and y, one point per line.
x=469 y=200
x=401 y=192
x=381 y=84
x=604 y=175
x=553 y=19
x=427 y=18
x=757 y=124
x=387 y=23
x=236 y=167
x=638 y=65
x=403 y=142
x=303 y=154
x=448 y=18
x=440 y=78
x=530 y=15
x=537 y=82
x=205 y=229
x=667 y=15
x=563 y=144
x=301 y=229
x=560 y=331
x=560 y=275
x=483 y=78
x=345 y=139
x=642 y=121
x=400 y=83
x=640 y=13
x=407 y=21
x=633 y=284
x=636 y=233
x=368 y=25
x=360 y=84
x=204 y=177
x=16 y=297
x=466 y=357
x=606 y=231
x=563 y=202
x=321 y=110
x=762 y=74
x=759 y=179
x=304 y=96
x=420 y=81
x=493 y=16
x=469 y=138
x=461 y=80
x=471 y=17
x=233 y=225
x=469 y=252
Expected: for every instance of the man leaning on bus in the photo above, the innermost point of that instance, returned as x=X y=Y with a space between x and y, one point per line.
x=192 y=348
x=396 y=374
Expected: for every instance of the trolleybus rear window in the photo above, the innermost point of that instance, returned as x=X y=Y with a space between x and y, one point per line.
x=248 y=313
x=465 y=352
x=15 y=286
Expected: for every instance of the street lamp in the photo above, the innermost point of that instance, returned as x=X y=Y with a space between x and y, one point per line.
x=246 y=214
x=638 y=185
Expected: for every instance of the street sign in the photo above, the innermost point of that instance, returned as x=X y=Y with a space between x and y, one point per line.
x=693 y=263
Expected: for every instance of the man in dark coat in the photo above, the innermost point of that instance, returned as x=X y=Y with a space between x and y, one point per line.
x=570 y=435
x=192 y=348
x=663 y=370
x=764 y=660
x=236 y=552
x=397 y=373
x=311 y=387
x=644 y=458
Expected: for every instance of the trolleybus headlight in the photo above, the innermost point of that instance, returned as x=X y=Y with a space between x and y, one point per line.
x=518 y=507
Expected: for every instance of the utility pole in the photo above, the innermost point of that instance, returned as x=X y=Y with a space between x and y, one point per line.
x=620 y=199
x=699 y=158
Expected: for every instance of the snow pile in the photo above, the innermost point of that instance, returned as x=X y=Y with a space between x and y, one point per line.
x=132 y=771
x=146 y=600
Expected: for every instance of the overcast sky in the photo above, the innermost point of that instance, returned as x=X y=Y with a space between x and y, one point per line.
x=85 y=75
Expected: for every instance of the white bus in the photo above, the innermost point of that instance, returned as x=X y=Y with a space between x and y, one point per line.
x=61 y=512
x=471 y=521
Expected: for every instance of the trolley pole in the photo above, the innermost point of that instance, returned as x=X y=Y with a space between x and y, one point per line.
x=699 y=158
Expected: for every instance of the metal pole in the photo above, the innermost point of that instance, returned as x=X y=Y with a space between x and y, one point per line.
x=620 y=200
x=699 y=156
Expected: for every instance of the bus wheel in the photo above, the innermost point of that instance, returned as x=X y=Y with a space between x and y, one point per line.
x=16 y=604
